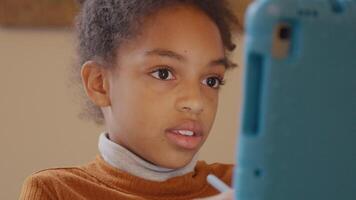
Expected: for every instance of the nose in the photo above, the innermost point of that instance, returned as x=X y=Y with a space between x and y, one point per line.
x=190 y=99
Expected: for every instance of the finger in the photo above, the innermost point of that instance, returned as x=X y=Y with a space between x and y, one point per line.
x=228 y=195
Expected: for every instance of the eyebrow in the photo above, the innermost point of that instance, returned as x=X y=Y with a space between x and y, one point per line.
x=171 y=54
x=165 y=53
x=222 y=61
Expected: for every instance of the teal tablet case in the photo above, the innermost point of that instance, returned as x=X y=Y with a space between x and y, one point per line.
x=298 y=135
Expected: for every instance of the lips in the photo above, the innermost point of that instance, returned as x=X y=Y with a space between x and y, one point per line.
x=193 y=126
x=187 y=135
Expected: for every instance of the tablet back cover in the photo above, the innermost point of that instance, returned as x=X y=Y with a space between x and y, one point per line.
x=298 y=134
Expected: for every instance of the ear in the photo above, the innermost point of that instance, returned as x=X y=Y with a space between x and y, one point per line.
x=96 y=83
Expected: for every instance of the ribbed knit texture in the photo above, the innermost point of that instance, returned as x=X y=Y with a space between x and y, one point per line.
x=123 y=159
x=99 y=180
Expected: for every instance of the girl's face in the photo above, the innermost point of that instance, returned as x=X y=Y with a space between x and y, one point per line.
x=166 y=84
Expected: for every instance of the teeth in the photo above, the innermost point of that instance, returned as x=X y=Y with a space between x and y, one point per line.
x=186 y=133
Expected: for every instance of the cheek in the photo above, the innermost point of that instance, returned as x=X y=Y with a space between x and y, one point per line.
x=211 y=107
x=211 y=99
x=140 y=106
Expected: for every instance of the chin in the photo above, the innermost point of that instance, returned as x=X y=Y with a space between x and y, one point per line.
x=175 y=165
x=175 y=162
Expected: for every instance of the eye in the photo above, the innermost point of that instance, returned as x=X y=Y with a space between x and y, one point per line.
x=162 y=74
x=214 y=82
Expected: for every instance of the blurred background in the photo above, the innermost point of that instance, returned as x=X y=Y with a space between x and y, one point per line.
x=39 y=123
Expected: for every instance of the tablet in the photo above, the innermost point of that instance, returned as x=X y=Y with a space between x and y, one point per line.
x=298 y=123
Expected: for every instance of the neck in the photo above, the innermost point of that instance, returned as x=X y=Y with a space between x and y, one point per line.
x=123 y=159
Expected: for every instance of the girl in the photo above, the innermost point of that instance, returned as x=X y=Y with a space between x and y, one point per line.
x=151 y=70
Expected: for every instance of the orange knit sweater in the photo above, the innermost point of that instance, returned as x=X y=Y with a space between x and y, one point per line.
x=99 y=180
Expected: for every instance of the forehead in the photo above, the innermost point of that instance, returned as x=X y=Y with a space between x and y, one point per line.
x=182 y=29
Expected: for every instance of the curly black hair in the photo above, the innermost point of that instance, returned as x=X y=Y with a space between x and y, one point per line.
x=102 y=26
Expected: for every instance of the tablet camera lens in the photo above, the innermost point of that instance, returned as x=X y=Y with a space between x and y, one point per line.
x=285 y=33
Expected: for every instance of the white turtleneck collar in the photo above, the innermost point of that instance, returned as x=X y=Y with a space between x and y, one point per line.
x=121 y=158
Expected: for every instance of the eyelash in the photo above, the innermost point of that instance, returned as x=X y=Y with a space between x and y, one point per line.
x=220 y=79
x=162 y=68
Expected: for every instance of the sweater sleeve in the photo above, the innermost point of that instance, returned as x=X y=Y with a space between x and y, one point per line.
x=34 y=189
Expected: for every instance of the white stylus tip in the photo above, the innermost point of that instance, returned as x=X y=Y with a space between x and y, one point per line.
x=217 y=183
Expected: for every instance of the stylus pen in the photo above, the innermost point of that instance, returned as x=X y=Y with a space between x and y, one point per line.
x=217 y=183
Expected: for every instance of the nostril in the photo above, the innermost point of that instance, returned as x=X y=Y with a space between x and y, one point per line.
x=186 y=108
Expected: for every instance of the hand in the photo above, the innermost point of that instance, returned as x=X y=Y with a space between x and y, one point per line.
x=228 y=195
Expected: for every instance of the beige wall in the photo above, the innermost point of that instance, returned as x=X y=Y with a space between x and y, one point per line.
x=39 y=125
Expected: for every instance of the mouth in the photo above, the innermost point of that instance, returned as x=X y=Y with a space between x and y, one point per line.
x=187 y=135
